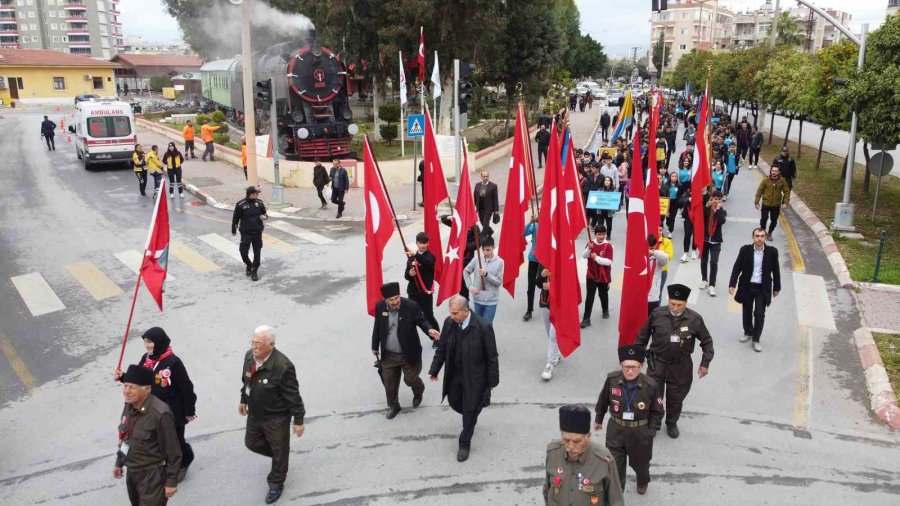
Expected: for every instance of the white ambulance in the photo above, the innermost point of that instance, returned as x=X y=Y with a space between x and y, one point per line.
x=104 y=132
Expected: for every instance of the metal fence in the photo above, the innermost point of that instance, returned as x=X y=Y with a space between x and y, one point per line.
x=887 y=260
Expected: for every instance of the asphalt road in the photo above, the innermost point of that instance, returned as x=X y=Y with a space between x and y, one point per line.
x=786 y=426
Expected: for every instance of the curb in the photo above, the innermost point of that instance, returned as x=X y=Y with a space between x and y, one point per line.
x=838 y=265
x=882 y=399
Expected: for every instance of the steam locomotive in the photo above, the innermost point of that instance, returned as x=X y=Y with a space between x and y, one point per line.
x=310 y=93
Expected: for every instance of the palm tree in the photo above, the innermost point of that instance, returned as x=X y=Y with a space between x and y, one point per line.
x=789 y=30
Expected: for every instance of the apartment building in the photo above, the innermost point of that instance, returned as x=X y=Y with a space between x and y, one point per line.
x=893 y=7
x=689 y=25
x=80 y=27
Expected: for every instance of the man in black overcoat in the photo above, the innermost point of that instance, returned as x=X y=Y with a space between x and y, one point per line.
x=469 y=351
x=757 y=276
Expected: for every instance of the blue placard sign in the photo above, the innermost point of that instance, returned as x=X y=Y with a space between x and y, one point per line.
x=606 y=201
x=415 y=125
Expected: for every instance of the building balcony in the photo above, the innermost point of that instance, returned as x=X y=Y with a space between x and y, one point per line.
x=116 y=23
x=8 y=8
x=75 y=8
x=4 y=45
x=115 y=1
x=80 y=44
x=76 y=19
x=78 y=31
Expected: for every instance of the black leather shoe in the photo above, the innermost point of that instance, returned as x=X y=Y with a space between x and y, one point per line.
x=254 y=276
x=585 y=323
x=463 y=454
x=672 y=430
x=527 y=316
x=273 y=495
x=392 y=413
x=606 y=315
x=417 y=399
x=249 y=269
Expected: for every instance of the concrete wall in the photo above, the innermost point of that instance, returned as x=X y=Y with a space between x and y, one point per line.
x=299 y=174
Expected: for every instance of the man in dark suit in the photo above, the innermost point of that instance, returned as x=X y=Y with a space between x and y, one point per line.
x=605 y=121
x=468 y=348
x=487 y=201
x=760 y=281
x=395 y=343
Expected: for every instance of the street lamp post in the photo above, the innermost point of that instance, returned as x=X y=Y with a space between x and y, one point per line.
x=247 y=85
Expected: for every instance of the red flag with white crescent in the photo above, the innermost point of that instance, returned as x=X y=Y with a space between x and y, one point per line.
x=701 y=175
x=636 y=277
x=154 y=265
x=379 y=226
x=464 y=218
x=518 y=193
x=421 y=57
x=435 y=192
x=651 y=197
x=552 y=179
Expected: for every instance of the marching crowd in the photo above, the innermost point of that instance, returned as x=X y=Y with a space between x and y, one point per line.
x=159 y=396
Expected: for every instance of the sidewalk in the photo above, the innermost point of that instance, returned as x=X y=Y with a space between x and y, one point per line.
x=222 y=184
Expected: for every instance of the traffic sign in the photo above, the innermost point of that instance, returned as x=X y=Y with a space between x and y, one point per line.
x=881 y=164
x=415 y=125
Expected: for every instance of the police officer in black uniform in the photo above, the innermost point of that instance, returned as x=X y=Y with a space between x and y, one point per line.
x=672 y=332
x=636 y=411
x=250 y=213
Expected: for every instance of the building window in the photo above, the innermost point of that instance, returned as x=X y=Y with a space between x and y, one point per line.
x=52 y=14
x=56 y=38
x=683 y=31
x=53 y=2
x=35 y=39
x=65 y=38
x=19 y=83
x=33 y=27
x=31 y=14
x=29 y=2
x=682 y=47
x=59 y=83
x=54 y=26
x=98 y=83
x=23 y=27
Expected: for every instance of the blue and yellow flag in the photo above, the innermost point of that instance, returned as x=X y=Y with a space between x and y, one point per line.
x=626 y=117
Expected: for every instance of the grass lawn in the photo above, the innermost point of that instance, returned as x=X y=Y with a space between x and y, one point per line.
x=889 y=347
x=822 y=188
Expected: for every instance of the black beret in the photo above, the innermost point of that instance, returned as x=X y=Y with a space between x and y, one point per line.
x=139 y=375
x=575 y=419
x=389 y=290
x=679 y=292
x=633 y=352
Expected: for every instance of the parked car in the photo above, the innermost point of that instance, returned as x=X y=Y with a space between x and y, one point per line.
x=84 y=97
x=614 y=97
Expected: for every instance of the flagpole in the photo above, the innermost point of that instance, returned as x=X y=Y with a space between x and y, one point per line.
x=387 y=194
x=130 y=316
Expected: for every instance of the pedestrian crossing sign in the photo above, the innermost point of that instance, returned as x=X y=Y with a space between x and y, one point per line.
x=415 y=125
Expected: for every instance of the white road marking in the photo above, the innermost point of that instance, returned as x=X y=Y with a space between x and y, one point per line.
x=37 y=294
x=301 y=233
x=222 y=244
x=133 y=259
x=811 y=298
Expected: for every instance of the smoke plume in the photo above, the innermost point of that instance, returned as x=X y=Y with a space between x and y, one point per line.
x=221 y=24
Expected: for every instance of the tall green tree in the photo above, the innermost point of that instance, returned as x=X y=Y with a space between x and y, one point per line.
x=660 y=50
x=829 y=106
x=590 y=60
x=789 y=30
x=874 y=92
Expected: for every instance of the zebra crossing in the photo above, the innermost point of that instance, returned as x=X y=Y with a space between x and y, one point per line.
x=201 y=255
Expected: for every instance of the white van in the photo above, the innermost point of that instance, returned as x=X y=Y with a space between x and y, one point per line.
x=104 y=132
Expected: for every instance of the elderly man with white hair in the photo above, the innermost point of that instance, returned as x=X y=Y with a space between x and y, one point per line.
x=269 y=398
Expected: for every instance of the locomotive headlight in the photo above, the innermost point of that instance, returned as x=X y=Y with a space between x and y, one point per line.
x=347 y=114
x=353 y=129
x=297 y=116
x=303 y=133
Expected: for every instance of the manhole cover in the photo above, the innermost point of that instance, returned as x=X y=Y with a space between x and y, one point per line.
x=202 y=182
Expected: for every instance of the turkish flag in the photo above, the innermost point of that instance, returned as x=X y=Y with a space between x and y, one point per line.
x=379 y=225
x=518 y=194
x=701 y=176
x=421 y=56
x=636 y=277
x=464 y=218
x=651 y=198
x=435 y=189
x=156 y=255
x=565 y=290
x=549 y=195
x=574 y=201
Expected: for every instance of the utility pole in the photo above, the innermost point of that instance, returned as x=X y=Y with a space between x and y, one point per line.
x=277 y=189
x=247 y=85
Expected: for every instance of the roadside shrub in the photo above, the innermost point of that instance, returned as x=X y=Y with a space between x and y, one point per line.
x=220 y=138
x=218 y=116
x=202 y=118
